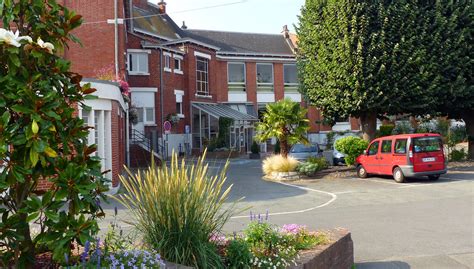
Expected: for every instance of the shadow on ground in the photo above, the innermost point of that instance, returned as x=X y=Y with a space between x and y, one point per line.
x=383 y=265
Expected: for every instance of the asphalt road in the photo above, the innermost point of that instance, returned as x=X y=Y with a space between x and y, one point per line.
x=419 y=224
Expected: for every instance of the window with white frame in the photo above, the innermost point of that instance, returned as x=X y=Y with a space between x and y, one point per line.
x=264 y=76
x=290 y=77
x=146 y=115
x=236 y=76
x=167 y=60
x=138 y=63
x=202 y=76
x=177 y=64
x=179 y=103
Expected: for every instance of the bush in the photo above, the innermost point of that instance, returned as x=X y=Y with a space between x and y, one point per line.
x=307 y=168
x=42 y=139
x=386 y=130
x=458 y=155
x=237 y=254
x=351 y=147
x=255 y=148
x=402 y=127
x=270 y=248
x=320 y=161
x=178 y=209
x=312 y=165
x=278 y=163
x=457 y=134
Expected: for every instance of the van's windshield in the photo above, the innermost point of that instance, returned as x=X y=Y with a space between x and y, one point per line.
x=427 y=144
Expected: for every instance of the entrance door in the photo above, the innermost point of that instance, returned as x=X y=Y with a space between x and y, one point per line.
x=249 y=140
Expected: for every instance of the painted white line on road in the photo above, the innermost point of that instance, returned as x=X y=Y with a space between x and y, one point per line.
x=333 y=198
x=415 y=185
x=344 y=192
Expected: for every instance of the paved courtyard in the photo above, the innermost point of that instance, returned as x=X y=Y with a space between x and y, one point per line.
x=420 y=224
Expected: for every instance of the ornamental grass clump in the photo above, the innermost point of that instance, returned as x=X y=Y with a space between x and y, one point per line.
x=178 y=209
x=278 y=163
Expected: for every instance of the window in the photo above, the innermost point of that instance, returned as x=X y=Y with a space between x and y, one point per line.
x=146 y=115
x=290 y=77
x=138 y=63
x=177 y=64
x=236 y=76
x=167 y=63
x=264 y=77
x=386 y=146
x=427 y=144
x=202 y=79
x=179 y=103
x=374 y=147
x=401 y=146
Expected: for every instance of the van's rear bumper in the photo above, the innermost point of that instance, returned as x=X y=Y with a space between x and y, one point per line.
x=408 y=171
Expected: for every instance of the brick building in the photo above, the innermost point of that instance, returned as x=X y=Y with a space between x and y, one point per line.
x=190 y=78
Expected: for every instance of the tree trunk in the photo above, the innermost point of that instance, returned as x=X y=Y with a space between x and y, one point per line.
x=27 y=259
x=368 y=121
x=468 y=118
x=284 y=148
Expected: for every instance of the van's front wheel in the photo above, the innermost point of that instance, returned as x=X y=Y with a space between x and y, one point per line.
x=398 y=175
x=361 y=172
x=433 y=177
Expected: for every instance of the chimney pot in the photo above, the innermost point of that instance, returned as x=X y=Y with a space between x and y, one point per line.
x=285 y=31
x=162 y=6
x=184 y=27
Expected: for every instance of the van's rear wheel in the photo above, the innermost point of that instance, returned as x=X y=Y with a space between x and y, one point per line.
x=433 y=177
x=361 y=172
x=398 y=175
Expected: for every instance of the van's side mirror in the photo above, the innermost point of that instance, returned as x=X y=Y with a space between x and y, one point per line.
x=365 y=152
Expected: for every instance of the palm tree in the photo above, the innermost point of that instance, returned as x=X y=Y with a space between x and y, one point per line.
x=286 y=120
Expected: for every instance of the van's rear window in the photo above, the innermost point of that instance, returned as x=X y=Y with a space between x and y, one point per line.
x=426 y=144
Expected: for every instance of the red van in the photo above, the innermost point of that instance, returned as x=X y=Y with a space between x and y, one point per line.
x=407 y=155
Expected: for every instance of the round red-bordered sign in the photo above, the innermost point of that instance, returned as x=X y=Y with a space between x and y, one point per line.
x=167 y=126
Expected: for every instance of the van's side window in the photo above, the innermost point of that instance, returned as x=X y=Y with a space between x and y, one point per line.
x=401 y=146
x=374 y=147
x=386 y=146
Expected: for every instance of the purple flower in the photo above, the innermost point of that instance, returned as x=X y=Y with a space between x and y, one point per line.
x=86 y=251
x=266 y=215
x=66 y=258
x=251 y=216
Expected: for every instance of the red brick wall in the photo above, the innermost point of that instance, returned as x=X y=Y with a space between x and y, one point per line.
x=278 y=85
x=96 y=35
x=118 y=141
x=251 y=81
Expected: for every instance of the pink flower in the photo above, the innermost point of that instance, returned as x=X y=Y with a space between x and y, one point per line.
x=293 y=228
x=218 y=239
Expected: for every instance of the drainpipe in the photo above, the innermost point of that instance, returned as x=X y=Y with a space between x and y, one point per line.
x=161 y=104
x=127 y=134
x=116 y=39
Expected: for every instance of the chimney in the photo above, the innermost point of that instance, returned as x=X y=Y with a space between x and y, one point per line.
x=285 y=31
x=184 y=27
x=162 y=7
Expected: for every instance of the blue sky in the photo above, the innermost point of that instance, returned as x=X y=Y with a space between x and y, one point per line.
x=256 y=16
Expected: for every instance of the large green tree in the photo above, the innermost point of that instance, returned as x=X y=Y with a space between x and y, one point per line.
x=286 y=120
x=41 y=139
x=364 y=59
x=451 y=62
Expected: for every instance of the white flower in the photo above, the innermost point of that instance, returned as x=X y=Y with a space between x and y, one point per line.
x=45 y=45
x=9 y=37
x=28 y=38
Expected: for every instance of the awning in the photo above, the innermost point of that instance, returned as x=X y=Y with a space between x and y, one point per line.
x=223 y=110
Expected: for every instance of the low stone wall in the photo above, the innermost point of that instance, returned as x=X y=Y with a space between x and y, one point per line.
x=339 y=253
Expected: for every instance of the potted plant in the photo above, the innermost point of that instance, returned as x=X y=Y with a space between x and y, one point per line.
x=255 y=149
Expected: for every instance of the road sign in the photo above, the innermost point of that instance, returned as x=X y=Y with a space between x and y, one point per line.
x=167 y=127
